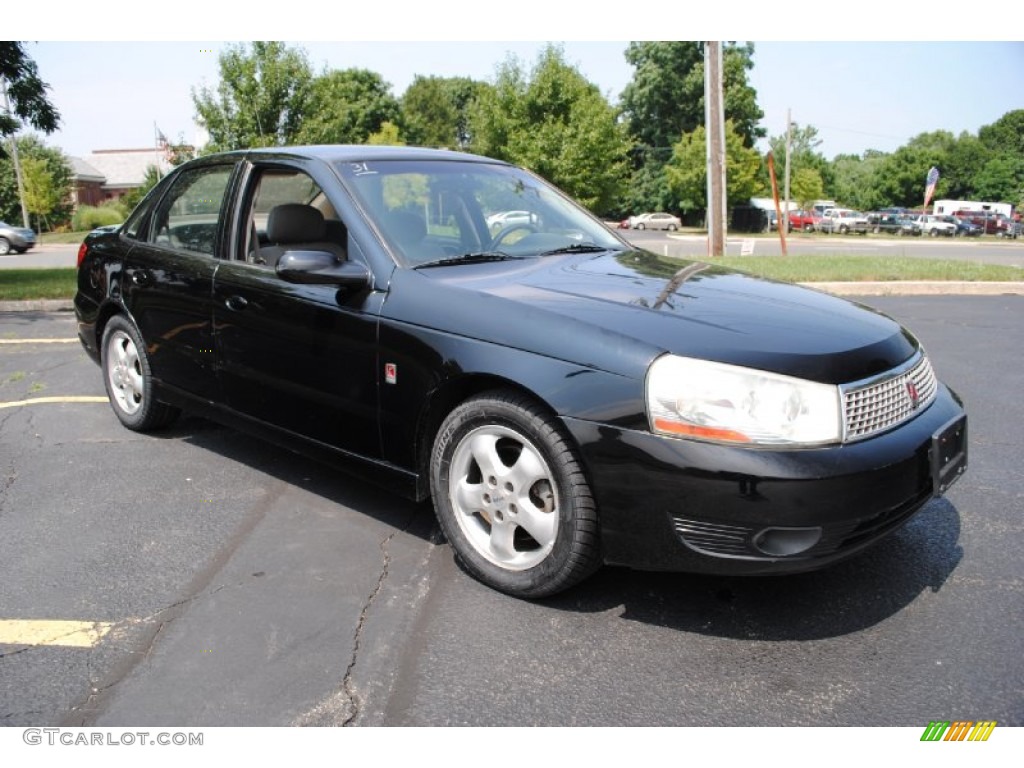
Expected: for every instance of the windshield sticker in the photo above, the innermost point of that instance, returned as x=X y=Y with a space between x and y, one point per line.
x=361 y=169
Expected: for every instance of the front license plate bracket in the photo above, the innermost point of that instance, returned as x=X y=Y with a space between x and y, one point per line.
x=948 y=454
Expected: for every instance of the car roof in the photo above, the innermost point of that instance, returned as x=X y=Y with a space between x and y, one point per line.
x=355 y=153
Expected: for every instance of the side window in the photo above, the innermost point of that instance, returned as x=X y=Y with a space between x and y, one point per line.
x=134 y=227
x=189 y=215
x=289 y=211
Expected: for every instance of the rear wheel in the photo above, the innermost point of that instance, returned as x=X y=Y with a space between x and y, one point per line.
x=512 y=498
x=5 y=246
x=129 y=379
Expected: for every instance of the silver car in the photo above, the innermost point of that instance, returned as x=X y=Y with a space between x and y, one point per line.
x=17 y=239
x=656 y=221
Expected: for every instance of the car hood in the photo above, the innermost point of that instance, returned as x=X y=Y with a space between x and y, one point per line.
x=626 y=308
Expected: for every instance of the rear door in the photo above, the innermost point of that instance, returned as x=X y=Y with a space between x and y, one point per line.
x=167 y=285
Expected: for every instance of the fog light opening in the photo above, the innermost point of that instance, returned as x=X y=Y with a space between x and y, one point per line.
x=785 y=542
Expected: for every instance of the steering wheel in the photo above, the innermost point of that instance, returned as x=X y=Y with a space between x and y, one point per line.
x=498 y=238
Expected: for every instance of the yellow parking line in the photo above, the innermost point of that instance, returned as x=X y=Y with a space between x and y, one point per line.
x=38 y=341
x=70 y=399
x=69 y=634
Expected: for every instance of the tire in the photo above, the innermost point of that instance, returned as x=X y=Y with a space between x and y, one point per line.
x=844 y=230
x=511 y=497
x=128 y=378
x=640 y=226
x=933 y=232
x=5 y=246
x=672 y=227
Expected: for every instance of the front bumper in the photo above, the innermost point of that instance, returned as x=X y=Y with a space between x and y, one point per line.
x=684 y=505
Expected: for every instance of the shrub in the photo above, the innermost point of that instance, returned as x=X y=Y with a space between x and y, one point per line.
x=90 y=217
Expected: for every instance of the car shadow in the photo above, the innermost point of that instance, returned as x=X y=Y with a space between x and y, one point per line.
x=847 y=597
x=336 y=485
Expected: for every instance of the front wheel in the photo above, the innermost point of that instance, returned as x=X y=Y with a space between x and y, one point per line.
x=129 y=379
x=512 y=498
x=5 y=246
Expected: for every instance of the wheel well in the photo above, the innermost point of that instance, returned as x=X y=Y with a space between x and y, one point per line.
x=106 y=312
x=444 y=402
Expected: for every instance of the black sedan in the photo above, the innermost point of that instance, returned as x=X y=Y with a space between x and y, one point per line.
x=564 y=399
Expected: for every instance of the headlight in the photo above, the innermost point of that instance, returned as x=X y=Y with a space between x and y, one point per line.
x=727 y=403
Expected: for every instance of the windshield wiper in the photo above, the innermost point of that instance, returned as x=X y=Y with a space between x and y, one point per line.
x=578 y=248
x=468 y=258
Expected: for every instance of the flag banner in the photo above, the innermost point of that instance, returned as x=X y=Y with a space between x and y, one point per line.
x=930 y=182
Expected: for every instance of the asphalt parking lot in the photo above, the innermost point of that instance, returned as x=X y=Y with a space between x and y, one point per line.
x=218 y=580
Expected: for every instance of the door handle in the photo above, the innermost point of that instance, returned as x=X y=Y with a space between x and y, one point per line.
x=236 y=302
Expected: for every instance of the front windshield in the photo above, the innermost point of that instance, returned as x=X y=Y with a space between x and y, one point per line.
x=441 y=211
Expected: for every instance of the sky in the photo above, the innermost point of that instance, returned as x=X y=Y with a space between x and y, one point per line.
x=117 y=82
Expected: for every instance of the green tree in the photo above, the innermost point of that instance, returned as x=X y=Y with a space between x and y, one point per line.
x=435 y=110
x=1001 y=179
x=346 y=106
x=665 y=99
x=856 y=181
x=808 y=168
x=965 y=159
x=26 y=92
x=1006 y=134
x=47 y=177
x=388 y=136
x=806 y=186
x=261 y=100
x=556 y=123
x=42 y=195
x=686 y=172
x=900 y=178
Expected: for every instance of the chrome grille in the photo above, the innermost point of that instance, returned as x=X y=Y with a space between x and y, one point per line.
x=887 y=400
x=714 y=538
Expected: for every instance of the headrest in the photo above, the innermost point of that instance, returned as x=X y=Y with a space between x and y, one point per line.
x=295 y=223
x=407 y=228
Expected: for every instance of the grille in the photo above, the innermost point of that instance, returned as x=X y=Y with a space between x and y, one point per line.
x=888 y=400
x=716 y=539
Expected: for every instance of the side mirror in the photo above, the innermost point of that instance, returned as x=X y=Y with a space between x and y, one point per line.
x=321 y=268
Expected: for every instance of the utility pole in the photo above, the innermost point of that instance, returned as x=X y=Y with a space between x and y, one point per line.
x=714 y=120
x=14 y=158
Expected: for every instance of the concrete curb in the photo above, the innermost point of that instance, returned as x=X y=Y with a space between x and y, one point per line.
x=921 y=288
x=38 y=305
x=890 y=288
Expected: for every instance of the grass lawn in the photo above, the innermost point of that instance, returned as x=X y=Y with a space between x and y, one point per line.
x=815 y=268
x=20 y=284
x=62 y=238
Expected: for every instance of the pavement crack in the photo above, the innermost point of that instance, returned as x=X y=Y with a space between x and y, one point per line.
x=347 y=685
x=9 y=715
x=6 y=481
